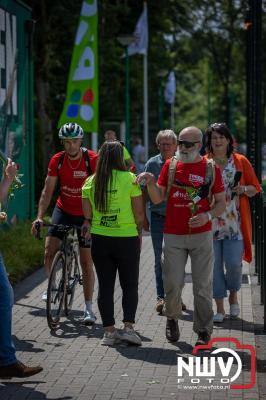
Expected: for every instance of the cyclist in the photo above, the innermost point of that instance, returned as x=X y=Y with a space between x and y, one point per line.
x=70 y=168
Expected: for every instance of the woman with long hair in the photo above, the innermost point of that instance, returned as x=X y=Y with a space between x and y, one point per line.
x=232 y=230
x=114 y=214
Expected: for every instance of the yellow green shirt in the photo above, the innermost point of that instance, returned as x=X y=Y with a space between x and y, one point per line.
x=126 y=154
x=119 y=220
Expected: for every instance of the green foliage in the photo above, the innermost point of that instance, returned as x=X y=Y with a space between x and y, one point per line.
x=22 y=253
x=203 y=41
x=263 y=184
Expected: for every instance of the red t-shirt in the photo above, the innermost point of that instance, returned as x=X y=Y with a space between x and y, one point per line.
x=72 y=175
x=177 y=210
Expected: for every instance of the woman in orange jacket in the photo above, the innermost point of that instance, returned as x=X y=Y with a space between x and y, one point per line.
x=232 y=230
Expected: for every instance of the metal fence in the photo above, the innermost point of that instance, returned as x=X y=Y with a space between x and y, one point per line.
x=259 y=229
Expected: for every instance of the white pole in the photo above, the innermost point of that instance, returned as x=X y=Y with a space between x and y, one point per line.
x=173 y=116
x=123 y=131
x=145 y=99
x=145 y=106
x=94 y=141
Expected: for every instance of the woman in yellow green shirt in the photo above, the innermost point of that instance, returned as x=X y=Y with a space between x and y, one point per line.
x=113 y=211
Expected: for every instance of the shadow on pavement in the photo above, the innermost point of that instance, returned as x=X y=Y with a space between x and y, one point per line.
x=24 y=287
x=26 y=345
x=169 y=356
x=231 y=324
x=238 y=324
x=22 y=392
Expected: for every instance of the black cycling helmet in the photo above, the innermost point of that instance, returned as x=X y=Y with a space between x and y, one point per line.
x=71 y=131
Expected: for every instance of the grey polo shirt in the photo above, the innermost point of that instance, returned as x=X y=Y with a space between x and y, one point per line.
x=154 y=165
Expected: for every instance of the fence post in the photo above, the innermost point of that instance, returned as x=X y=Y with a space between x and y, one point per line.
x=263 y=258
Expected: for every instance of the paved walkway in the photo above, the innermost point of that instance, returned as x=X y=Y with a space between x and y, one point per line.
x=77 y=367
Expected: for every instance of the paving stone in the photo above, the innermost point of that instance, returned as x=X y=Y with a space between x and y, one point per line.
x=77 y=367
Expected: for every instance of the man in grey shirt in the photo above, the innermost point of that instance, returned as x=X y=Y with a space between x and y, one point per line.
x=166 y=141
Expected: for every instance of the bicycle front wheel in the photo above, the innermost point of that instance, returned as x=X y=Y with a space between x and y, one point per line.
x=56 y=290
x=73 y=278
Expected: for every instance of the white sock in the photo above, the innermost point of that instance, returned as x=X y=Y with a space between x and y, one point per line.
x=88 y=305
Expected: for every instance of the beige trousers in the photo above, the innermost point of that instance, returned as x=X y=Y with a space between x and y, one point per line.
x=175 y=254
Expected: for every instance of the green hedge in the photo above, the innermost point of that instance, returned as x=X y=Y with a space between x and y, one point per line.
x=22 y=253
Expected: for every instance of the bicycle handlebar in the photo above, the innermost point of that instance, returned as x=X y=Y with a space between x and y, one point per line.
x=60 y=227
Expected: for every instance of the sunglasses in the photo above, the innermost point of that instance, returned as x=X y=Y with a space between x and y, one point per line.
x=186 y=144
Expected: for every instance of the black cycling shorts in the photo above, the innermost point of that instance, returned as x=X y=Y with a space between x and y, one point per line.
x=60 y=217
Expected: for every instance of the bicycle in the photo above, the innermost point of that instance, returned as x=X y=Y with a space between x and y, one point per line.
x=64 y=275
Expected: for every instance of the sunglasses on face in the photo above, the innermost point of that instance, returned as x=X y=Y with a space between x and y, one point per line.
x=186 y=144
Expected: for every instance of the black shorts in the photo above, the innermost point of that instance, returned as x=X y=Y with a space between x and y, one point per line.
x=60 y=217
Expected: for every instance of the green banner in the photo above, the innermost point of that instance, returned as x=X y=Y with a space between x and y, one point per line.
x=81 y=104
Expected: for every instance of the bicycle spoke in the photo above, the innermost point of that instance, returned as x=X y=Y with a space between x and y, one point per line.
x=73 y=277
x=56 y=290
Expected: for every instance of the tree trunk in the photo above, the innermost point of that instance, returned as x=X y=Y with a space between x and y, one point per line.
x=42 y=96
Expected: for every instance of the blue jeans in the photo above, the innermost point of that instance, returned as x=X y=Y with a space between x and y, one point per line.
x=227 y=273
x=7 y=349
x=156 y=227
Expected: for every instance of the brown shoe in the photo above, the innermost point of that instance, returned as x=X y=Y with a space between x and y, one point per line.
x=184 y=307
x=18 y=370
x=172 y=330
x=159 y=305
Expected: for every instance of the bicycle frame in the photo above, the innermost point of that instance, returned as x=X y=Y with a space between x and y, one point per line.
x=64 y=275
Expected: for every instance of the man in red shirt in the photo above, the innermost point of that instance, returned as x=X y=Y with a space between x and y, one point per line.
x=187 y=231
x=71 y=167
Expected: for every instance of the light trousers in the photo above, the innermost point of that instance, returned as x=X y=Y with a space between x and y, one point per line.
x=177 y=248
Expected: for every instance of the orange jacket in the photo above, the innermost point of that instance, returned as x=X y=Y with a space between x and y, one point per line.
x=248 y=178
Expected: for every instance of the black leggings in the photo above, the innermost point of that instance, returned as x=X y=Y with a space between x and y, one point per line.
x=112 y=254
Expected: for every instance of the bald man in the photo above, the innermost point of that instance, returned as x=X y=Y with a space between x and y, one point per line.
x=187 y=231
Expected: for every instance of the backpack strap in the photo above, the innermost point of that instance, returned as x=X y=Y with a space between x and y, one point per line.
x=61 y=160
x=85 y=155
x=171 y=175
x=209 y=176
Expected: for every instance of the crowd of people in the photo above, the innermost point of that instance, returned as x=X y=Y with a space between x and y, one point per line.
x=197 y=206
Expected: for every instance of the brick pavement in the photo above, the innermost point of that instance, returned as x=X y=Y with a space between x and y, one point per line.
x=77 y=367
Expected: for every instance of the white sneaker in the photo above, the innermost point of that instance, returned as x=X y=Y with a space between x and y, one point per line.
x=219 y=317
x=89 y=318
x=111 y=338
x=44 y=296
x=234 y=310
x=130 y=336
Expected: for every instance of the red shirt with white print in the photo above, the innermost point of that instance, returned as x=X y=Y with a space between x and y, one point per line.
x=178 y=211
x=72 y=176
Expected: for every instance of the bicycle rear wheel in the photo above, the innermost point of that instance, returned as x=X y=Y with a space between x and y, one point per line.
x=73 y=278
x=56 y=290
